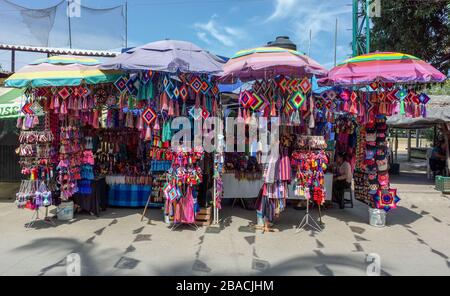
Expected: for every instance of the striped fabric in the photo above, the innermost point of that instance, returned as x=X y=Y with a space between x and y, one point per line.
x=61 y=71
x=66 y=60
x=269 y=62
x=382 y=66
x=264 y=50
x=134 y=196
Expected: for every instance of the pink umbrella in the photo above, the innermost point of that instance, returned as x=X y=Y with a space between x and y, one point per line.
x=383 y=67
x=268 y=62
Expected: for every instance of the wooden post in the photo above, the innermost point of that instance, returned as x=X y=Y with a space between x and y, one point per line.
x=417 y=138
x=409 y=145
x=446 y=132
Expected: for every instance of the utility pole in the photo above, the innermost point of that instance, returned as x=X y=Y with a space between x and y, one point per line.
x=126 y=24
x=335 y=41
x=309 y=45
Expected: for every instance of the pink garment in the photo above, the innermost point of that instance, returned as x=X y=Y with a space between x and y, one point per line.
x=187 y=208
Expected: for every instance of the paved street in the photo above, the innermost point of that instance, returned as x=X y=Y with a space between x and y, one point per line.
x=415 y=242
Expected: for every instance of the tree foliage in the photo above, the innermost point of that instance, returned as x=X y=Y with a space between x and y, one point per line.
x=417 y=27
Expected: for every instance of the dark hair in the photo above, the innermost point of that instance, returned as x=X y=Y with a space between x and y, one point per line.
x=343 y=155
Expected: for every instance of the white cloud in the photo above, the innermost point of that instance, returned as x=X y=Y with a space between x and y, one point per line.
x=283 y=8
x=225 y=35
x=202 y=36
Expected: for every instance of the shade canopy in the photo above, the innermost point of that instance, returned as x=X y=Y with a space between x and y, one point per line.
x=172 y=56
x=390 y=67
x=438 y=112
x=61 y=71
x=268 y=62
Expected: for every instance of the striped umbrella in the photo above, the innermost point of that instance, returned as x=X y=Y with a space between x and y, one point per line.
x=61 y=71
x=268 y=62
x=383 y=67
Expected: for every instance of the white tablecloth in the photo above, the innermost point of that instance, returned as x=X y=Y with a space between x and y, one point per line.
x=234 y=188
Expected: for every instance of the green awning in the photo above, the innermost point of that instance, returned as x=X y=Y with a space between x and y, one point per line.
x=10 y=102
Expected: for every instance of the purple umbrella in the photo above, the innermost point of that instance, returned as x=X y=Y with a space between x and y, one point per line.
x=171 y=56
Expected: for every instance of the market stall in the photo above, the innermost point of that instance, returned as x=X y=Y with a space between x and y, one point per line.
x=167 y=79
x=56 y=156
x=372 y=87
x=281 y=93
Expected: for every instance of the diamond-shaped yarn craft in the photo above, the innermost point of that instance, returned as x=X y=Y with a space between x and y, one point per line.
x=215 y=90
x=412 y=97
x=35 y=107
x=391 y=96
x=257 y=102
x=195 y=112
x=26 y=109
x=283 y=83
x=205 y=113
x=345 y=95
x=184 y=93
x=64 y=93
x=331 y=95
x=423 y=98
x=166 y=81
x=293 y=85
x=121 y=84
x=132 y=85
x=149 y=116
x=196 y=84
x=386 y=199
x=401 y=94
x=374 y=85
x=205 y=87
x=246 y=98
x=176 y=92
x=305 y=85
x=297 y=99
x=171 y=193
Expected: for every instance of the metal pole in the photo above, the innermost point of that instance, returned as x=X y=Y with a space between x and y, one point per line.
x=126 y=24
x=335 y=41
x=13 y=61
x=70 y=25
x=409 y=145
x=367 y=26
x=309 y=45
x=355 y=28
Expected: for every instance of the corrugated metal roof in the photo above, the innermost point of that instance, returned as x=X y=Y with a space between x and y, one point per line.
x=59 y=51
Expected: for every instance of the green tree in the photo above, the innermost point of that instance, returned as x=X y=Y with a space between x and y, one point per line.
x=417 y=27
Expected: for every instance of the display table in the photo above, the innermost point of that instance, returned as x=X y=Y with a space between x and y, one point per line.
x=96 y=200
x=123 y=195
x=234 y=188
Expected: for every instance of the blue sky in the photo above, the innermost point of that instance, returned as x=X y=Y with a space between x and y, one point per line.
x=225 y=26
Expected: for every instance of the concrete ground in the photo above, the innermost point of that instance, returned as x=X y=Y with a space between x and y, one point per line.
x=416 y=241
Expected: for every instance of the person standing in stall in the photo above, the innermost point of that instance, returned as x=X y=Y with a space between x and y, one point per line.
x=342 y=179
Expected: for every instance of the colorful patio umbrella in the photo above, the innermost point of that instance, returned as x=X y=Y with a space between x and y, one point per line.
x=267 y=62
x=61 y=71
x=383 y=67
x=170 y=56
